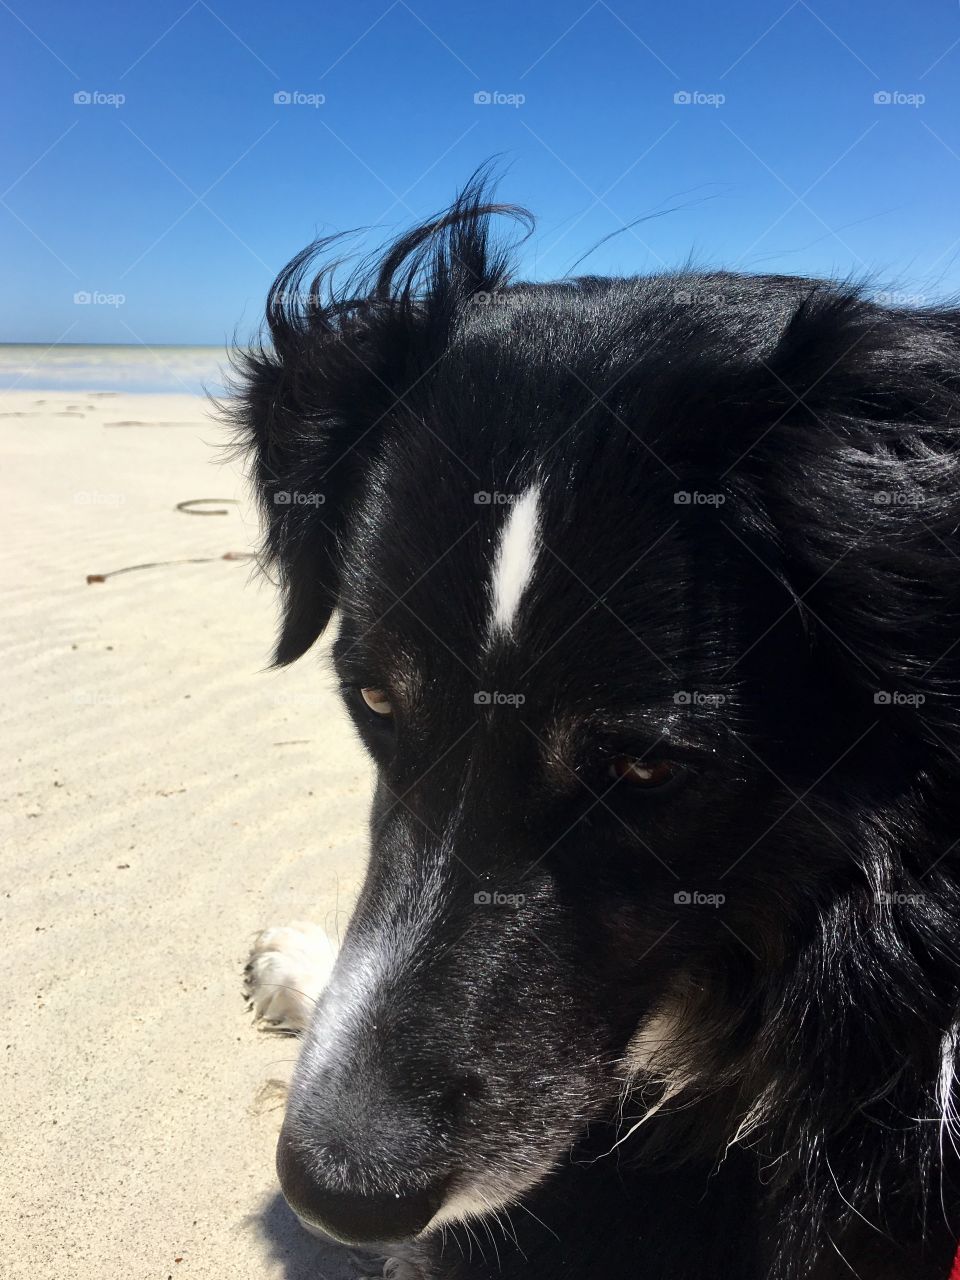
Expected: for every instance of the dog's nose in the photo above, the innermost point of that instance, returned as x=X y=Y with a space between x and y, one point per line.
x=349 y=1216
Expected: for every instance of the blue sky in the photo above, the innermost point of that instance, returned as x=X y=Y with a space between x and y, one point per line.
x=174 y=208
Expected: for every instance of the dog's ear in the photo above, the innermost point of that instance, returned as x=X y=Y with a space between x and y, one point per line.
x=291 y=433
x=312 y=401
x=855 y=456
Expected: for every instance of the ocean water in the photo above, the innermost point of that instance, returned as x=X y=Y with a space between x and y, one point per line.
x=89 y=367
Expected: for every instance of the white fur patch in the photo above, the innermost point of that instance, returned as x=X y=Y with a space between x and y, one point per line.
x=946 y=1086
x=515 y=558
x=647 y=1053
x=470 y=1204
x=649 y=1048
x=287 y=970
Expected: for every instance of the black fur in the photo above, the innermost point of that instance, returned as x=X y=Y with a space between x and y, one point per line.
x=787 y=642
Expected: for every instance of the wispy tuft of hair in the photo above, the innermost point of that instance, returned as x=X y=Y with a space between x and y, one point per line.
x=338 y=359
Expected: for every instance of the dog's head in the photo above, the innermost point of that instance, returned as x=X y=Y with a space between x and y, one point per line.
x=630 y=620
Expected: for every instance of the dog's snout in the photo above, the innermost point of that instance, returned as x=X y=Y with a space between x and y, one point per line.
x=351 y=1216
x=364 y=1160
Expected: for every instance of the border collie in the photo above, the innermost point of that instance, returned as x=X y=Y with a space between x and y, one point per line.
x=648 y=601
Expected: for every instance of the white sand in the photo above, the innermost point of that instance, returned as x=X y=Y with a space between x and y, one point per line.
x=164 y=798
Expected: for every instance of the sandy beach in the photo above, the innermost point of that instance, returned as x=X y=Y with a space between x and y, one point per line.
x=165 y=796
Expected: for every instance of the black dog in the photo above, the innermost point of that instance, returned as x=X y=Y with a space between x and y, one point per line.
x=649 y=614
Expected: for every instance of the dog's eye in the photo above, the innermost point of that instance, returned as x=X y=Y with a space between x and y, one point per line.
x=645 y=775
x=377 y=700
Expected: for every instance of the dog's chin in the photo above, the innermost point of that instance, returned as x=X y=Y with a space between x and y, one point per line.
x=478 y=1200
x=314 y=1230
x=464 y=1203
x=380 y=1241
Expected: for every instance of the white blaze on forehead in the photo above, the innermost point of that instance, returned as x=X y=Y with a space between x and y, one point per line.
x=515 y=558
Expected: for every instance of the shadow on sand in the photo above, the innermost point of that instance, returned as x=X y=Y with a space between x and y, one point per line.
x=306 y=1257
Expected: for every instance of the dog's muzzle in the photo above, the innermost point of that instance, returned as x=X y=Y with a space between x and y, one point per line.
x=370 y=1166
x=349 y=1217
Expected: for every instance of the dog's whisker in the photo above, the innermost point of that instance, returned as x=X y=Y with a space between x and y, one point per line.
x=504 y=1221
x=527 y=1210
x=493 y=1241
x=495 y=1214
x=470 y=1241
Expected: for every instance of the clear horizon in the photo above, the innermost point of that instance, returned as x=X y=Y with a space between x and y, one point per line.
x=187 y=346
x=80 y=367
